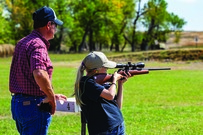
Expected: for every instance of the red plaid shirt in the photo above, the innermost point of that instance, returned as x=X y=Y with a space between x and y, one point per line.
x=31 y=53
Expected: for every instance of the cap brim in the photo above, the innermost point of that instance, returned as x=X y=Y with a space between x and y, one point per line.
x=110 y=64
x=58 y=22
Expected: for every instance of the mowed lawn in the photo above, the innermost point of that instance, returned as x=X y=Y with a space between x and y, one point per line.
x=158 y=103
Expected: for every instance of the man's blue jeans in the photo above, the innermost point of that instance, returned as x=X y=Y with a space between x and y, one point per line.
x=29 y=119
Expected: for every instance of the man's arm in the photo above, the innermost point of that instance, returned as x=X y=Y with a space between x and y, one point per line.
x=42 y=79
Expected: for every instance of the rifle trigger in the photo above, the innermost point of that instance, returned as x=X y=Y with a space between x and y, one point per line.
x=119 y=70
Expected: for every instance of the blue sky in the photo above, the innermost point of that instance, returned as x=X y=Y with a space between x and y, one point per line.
x=190 y=10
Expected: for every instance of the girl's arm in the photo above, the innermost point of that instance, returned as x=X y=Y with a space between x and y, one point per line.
x=119 y=99
x=110 y=93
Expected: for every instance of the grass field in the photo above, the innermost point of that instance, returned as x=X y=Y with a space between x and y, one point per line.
x=158 y=103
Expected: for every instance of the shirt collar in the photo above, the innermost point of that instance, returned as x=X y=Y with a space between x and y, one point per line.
x=35 y=32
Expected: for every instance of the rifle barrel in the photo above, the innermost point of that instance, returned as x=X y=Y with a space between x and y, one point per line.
x=153 y=69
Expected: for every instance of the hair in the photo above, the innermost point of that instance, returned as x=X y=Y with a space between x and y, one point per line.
x=38 y=24
x=78 y=92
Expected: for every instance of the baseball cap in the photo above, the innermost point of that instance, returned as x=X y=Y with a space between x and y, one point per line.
x=46 y=14
x=97 y=60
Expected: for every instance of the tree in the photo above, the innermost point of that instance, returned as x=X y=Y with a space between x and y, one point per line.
x=126 y=13
x=92 y=25
x=63 y=11
x=96 y=17
x=157 y=20
x=5 y=31
x=139 y=13
x=90 y=16
x=175 y=23
x=21 y=17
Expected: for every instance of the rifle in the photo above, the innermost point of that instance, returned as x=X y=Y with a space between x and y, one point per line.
x=133 y=69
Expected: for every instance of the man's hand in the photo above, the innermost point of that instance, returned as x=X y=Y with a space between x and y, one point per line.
x=52 y=102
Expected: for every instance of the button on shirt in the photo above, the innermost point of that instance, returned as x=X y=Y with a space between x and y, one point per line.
x=31 y=53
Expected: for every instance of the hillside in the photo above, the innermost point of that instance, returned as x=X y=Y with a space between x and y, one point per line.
x=188 y=38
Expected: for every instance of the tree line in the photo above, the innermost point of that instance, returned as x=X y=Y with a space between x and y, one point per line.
x=94 y=24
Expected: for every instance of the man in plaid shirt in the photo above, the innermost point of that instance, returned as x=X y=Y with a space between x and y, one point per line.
x=30 y=76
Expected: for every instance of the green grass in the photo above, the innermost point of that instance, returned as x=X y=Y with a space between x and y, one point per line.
x=158 y=103
x=76 y=57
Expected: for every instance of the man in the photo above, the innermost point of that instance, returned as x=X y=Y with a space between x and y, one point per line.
x=30 y=76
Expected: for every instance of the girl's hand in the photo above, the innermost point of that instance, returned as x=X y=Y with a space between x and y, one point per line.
x=116 y=77
x=125 y=77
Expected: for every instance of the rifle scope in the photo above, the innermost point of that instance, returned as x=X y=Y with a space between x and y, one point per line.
x=131 y=65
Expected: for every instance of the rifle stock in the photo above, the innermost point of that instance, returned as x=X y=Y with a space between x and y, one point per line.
x=103 y=78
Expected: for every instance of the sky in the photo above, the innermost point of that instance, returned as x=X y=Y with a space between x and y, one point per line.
x=189 y=10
